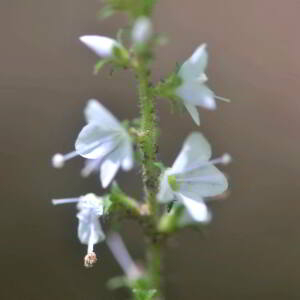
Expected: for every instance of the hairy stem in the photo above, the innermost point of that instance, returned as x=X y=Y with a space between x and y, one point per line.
x=148 y=146
x=148 y=142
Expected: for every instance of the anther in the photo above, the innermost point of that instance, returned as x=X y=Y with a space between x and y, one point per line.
x=58 y=161
x=90 y=259
x=226 y=158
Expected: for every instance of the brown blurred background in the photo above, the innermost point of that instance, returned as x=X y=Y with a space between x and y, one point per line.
x=252 y=248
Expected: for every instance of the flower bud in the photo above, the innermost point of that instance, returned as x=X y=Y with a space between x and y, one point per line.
x=142 y=30
x=101 y=45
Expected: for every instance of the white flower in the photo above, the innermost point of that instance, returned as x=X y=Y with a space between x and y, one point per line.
x=193 y=90
x=89 y=230
x=142 y=30
x=101 y=45
x=103 y=141
x=193 y=177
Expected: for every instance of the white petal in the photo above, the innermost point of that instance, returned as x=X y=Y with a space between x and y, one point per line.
x=93 y=142
x=142 y=30
x=96 y=112
x=90 y=204
x=195 y=211
x=195 y=93
x=195 y=149
x=110 y=167
x=193 y=112
x=90 y=230
x=101 y=45
x=195 y=66
x=90 y=166
x=165 y=193
x=127 y=161
x=209 y=181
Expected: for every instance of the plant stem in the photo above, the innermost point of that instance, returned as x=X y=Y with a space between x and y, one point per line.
x=148 y=142
x=148 y=146
x=154 y=267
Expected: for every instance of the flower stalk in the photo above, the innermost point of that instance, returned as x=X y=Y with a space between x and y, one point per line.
x=148 y=147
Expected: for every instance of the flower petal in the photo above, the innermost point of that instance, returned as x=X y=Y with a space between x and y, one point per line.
x=110 y=167
x=195 y=149
x=193 y=112
x=127 y=156
x=195 y=66
x=90 y=230
x=207 y=181
x=165 y=193
x=142 y=30
x=195 y=211
x=96 y=112
x=101 y=45
x=195 y=93
x=94 y=142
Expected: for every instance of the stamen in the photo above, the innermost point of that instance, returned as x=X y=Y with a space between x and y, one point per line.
x=224 y=159
x=91 y=245
x=223 y=99
x=90 y=259
x=64 y=201
x=58 y=159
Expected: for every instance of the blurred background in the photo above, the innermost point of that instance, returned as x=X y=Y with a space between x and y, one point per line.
x=252 y=248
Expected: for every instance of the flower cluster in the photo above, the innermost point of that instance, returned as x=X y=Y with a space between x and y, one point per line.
x=108 y=145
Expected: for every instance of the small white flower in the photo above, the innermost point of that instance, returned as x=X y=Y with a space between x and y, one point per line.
x=193 y=90
x=89 y=230
x=104 y=142
x=101 y=45
x=142 y=30
x=193 y=177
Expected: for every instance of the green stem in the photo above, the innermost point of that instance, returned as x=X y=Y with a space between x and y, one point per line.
x=154 y=267
x=148 y=143
x=148 y=146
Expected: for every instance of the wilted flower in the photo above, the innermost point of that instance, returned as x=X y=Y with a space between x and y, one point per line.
x=193 y=177
x=142 y=30
x=193 y=90
x=104 y=141
x=101 y=45
x=89 y=230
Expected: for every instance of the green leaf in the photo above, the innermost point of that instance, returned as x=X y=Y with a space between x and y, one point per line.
x=144 y=294
x=100 y=64
x=107 y=204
